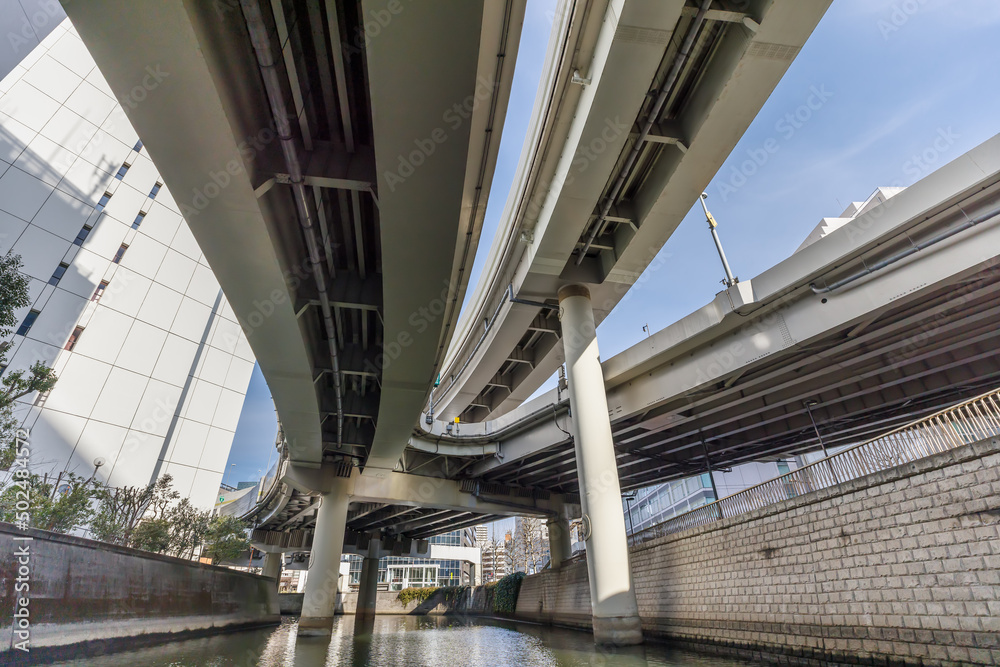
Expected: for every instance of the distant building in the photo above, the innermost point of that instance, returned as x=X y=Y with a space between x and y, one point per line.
x=856 y=208
x=656 y=504
x=454 y=561
x=481 y=535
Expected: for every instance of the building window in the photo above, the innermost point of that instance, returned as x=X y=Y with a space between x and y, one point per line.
x=138 y=146
x=121 y=172
x=82 y=235
x=58 y=273
x=74 y=338
x=120 y=253
x=138 y=220
x=105 y=198
x=156 y=188
x=99 y=291
x=26 y=324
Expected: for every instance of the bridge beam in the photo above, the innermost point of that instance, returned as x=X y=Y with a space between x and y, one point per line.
x=324 y=567
x=399 y=488
x=612 y=596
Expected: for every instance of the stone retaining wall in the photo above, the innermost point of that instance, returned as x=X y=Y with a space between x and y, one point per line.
x=902 y=565
x=86 y=596
x=474 y=601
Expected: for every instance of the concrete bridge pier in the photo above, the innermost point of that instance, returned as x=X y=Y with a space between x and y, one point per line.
x=560 y=545
x=272 y=565
x=324 y=569
x=364 y=615
x=615 y=612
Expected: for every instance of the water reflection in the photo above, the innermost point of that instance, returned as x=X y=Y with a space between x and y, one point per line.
x=404 y=641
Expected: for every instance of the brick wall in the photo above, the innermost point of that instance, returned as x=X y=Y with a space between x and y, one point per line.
x=904 y=564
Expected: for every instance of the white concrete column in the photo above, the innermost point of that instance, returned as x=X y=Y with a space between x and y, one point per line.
x=364 y=615
x=272 y=566
x=616 y=614
x=560 y=547
x=320 y=597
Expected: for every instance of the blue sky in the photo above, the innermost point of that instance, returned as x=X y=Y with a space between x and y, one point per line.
x=898 y=88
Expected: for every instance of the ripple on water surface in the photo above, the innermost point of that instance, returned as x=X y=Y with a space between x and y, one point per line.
x=406 y=641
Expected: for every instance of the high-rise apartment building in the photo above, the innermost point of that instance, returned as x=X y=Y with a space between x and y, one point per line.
x=153 y=366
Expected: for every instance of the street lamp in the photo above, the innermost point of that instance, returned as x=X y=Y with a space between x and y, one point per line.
x=628 y=504
x=712 y=224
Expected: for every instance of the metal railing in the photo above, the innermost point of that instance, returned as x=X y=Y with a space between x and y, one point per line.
x=962 y=424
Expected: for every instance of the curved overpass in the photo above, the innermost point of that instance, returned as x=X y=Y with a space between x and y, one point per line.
x=640 y=104
x=885 y=320
x=311 y=186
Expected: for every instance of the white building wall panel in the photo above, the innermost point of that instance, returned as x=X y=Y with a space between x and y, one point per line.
x=155 y=381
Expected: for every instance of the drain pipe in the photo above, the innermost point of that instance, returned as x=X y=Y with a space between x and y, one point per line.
x=661 y=100
x=269 y=73
x=969 y=222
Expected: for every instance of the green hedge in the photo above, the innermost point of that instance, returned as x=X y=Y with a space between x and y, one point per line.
x=408 y=595
x=505 y=593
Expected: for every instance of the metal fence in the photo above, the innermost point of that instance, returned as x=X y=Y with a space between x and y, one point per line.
x=962 y=424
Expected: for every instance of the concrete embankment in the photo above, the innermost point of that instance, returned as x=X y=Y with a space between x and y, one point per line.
x=901 y=567
x=474 y=601
x=86 y=597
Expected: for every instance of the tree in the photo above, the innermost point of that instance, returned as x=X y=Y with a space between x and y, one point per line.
x=152 y=535
x=58 y=505
x=16 y=383
x=226 y=538
x=188 y=526
x=491 y=551
x=121 y=509
x=531 y=543
x=512 y=554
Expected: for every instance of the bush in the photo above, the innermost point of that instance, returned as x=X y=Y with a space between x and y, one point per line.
x=408 y=595
x=505 y=593
x=452 y=594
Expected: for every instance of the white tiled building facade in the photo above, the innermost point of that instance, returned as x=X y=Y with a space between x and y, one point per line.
x=152 y=365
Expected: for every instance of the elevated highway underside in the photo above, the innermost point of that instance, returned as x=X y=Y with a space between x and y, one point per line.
x=730 y=382
x=333 y=160
x=870 y=347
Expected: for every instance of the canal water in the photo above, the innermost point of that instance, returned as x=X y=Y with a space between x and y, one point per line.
x=404 y=641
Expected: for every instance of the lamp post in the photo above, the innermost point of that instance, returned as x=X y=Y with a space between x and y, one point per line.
x=712 y=224
x=628 y=504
